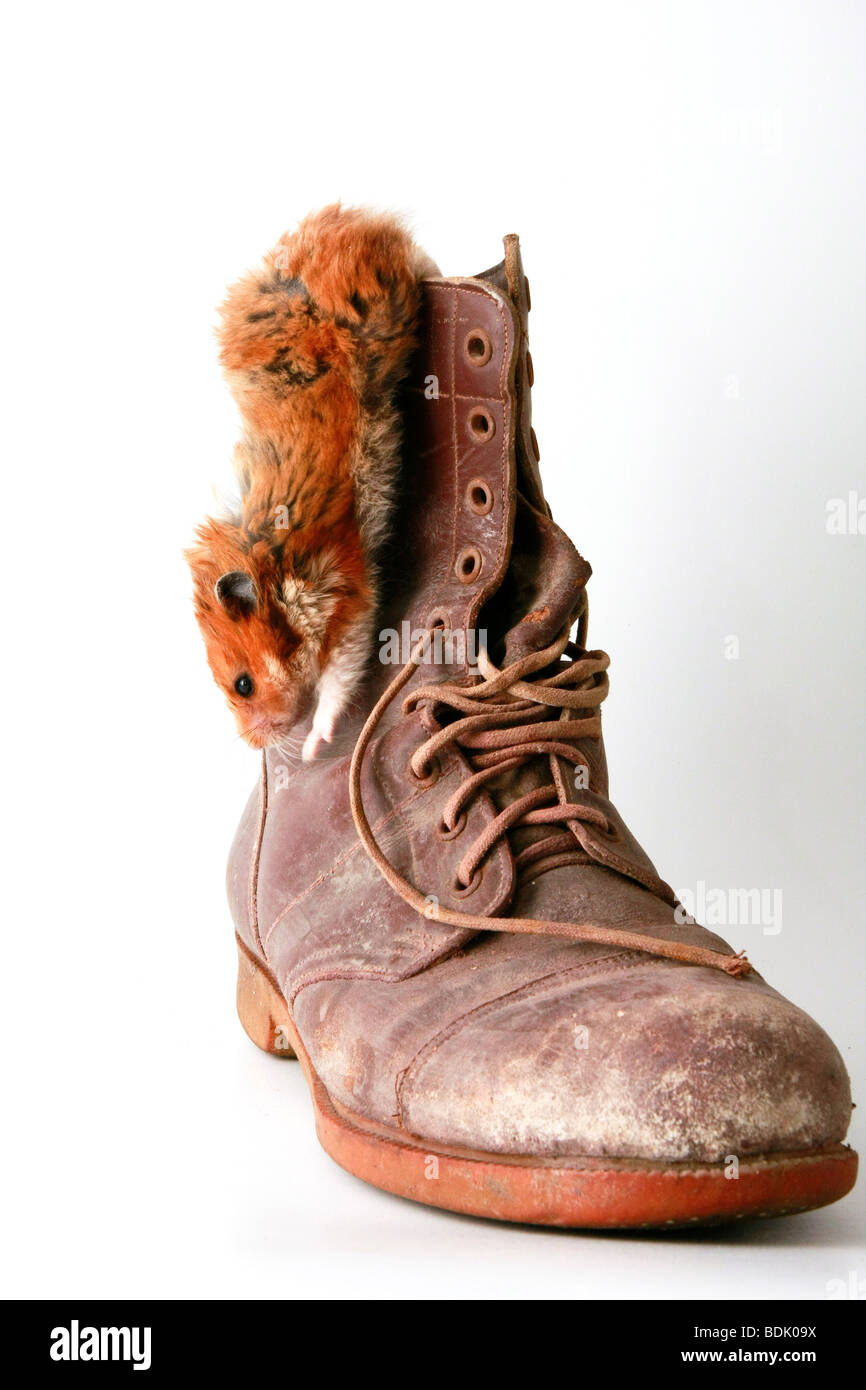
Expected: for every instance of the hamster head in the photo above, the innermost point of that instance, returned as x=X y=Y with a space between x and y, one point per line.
x=271 y=616
x=263 y=655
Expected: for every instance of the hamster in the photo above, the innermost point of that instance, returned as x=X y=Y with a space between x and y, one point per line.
x=314 y=346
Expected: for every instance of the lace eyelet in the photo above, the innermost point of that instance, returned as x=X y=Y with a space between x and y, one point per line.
x=482 y=425
x=468 y=565
x=457 y=829
x=464 y=892
x=479 y=497
x=432 y=776
x=477 y=348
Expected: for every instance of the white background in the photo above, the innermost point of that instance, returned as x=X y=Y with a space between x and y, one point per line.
x=688 y=183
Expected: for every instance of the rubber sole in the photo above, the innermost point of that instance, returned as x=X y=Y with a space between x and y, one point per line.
x=575 y=1192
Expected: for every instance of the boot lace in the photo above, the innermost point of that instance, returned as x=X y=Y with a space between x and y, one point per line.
x=539 y=706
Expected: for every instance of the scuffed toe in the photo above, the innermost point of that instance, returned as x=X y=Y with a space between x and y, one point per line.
x=655 y=1061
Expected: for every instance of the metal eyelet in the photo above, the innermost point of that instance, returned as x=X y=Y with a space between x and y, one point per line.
x=477 y=348
x=482 y=425
x=468 y=565
x=461 y=892
x=479 y=497
x=457 y=829
x=432 y=776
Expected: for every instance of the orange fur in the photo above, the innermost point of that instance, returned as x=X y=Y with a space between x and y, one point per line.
x=314 y=345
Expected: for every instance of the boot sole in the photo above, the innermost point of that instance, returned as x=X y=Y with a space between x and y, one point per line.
x=572 y=1191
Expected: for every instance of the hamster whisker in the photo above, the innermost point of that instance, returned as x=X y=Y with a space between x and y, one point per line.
x=289 y=749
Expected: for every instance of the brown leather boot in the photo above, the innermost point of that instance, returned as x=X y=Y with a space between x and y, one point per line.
x=497 y=1006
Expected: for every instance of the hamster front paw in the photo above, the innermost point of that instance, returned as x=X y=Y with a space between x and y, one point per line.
x=322 y=731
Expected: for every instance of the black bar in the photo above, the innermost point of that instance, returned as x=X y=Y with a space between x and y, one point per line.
x=167 y=1338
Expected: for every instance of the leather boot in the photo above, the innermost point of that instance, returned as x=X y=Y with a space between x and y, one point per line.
x=500 y=1007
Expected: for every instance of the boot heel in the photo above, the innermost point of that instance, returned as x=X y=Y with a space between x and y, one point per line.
x=261 y=1008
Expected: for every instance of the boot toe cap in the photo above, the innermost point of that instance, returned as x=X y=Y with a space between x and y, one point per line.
x=657 y=1061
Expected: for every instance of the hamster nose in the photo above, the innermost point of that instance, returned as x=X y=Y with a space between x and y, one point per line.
x=255 y=734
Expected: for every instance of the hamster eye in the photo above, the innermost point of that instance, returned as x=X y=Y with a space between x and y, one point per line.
x=244 y=685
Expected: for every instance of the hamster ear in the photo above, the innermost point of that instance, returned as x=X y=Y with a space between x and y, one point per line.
x=237 y=594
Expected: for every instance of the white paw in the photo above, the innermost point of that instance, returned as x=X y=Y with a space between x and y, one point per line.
x=311 y=746
x=322 y=731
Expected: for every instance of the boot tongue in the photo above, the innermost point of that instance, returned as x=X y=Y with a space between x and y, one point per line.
x=542 y=591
